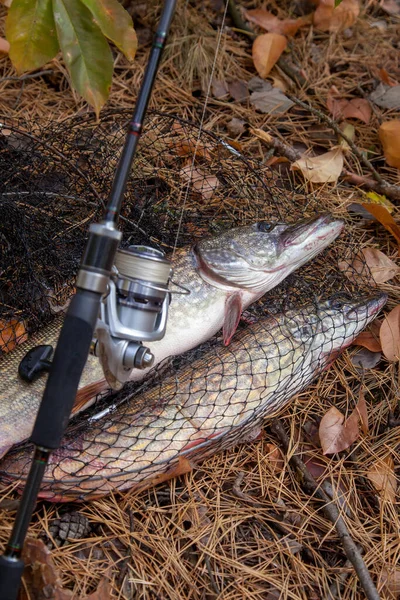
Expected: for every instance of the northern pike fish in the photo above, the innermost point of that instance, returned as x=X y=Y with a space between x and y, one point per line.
x=224 y=274
x=207 y=405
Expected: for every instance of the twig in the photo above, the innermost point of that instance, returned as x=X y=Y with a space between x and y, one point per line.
x=336 y=588
x=28 y=76
x=332 y=513
x=335 y=126
x=242 y=27
x=388 y=189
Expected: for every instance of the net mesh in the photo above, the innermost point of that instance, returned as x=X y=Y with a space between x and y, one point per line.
x=185 y=185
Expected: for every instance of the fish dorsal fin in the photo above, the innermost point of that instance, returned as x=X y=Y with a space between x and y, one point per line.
x=233 y=310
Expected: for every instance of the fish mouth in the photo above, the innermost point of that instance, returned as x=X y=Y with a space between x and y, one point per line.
x=299 y=232
x=367 y=308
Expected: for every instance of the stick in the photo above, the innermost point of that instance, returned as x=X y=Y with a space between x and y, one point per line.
x=387 y=189
x=338 y=131
x=332 y=513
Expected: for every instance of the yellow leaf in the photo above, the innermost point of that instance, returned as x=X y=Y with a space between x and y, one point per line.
x=389 y=134
x=267 y=49
x=379 y=199
x=321 y=169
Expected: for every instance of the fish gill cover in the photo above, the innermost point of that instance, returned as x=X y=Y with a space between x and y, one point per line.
x=54 y=180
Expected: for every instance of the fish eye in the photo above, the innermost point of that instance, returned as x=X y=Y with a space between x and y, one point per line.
x=339 y=301
x=264 y=226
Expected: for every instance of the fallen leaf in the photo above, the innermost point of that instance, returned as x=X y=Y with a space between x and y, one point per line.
x=361 y=408
x=274 y=456
x=219 y=88
x=384 y=217
x=389 y=582
x=41 y=577
x=384 y=75
x=325 y=168
x=383 y=478
x=267 y=49
x=271 y=102
x=329 y=18
x=392 y=7
x=376 y=198
x=236 y=126
x=350 y=132
x=386 y=96
x=238 y=90
x=365 y=359
x=389 y=134
x=336 y=433
x=12 y=333
x=256 y=84
x=356 y=108
x=4 y=46
x=370 y=339
x=381 y=266
x=266 y=20
x=389 y=335
x=103 y=591
x=203 y=183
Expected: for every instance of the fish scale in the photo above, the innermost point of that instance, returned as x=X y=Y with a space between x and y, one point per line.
x=205 y=406
x=222 y=279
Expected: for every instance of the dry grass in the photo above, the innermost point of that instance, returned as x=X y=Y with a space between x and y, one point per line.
x=195 y=537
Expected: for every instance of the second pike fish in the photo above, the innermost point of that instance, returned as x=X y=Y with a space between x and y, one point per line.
x=224 y=274
x=206 y=405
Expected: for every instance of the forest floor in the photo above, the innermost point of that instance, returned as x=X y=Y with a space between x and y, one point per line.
x=244 y=523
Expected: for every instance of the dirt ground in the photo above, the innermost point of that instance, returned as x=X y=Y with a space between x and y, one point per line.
x=243 y=524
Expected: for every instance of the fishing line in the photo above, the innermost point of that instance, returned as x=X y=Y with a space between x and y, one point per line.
x=208 y=93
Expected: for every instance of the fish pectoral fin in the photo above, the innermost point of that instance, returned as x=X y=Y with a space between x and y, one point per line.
x=233 y=310
x=87 y=395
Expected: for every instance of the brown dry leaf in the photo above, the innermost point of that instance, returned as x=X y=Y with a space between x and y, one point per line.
x=41 y=576
x=12 y=333
x=203 y=183
x=366 y=339
x=381 y=266
x=4 y=46
x=389 y=334
x=392 y=7
x=103 y=591
x=361 y=408
x=389 y=134
x=329 y=18
x=386 y=96
x=274 y=456
x=383 y=478
x=389 y=581
x=357 y=108
x=384 y=217
x=271 y=102
x=325 y=168
x=267 y=49
x=384 y=75
x=336 y=433
x=266 y=20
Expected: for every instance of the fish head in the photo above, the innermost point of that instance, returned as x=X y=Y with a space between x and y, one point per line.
x=259 y=256
x=336 y=322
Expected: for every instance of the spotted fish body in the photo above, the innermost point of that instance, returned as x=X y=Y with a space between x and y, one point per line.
x=207 y=405
x=224 y=274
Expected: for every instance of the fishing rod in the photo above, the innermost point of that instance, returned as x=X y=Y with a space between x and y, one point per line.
x=129 y=290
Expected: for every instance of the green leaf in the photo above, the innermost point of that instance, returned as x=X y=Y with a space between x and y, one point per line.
x=31 y=31
x=115 y=23
x=86 y=51
x=337 y=2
